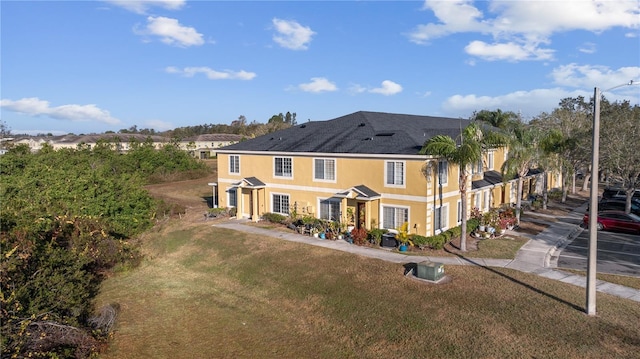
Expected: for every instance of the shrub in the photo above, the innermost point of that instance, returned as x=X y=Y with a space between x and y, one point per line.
x=555 y=195
x=359 y=236
x=375 y=235
x=456 y=231
x=273 y=217
x=217 y=212
x=472 y=225
x=419 y=241
x=437 y=242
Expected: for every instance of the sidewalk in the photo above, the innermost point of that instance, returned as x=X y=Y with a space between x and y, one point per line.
x=535 y=257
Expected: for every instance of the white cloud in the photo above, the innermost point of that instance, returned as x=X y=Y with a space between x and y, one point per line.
x=527 y=103
x=572 y=81
x=159 y=125
x=212 y=74
x=356 y=89
x=388 y=88
x=141 y=6
x=171 y=32
x=590 y=76
x=507 y=51
x=292 y=35
x=33 y=106
x=317 y=85
x=521 y=28
x=588 y=48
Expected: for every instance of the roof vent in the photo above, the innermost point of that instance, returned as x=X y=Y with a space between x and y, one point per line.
x=362 y=124
x=385 y=134
x=303 y=126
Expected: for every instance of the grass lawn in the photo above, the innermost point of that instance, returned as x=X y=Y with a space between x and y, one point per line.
x=205 y=292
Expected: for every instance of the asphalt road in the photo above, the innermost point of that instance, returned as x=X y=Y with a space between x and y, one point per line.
x=618 y=253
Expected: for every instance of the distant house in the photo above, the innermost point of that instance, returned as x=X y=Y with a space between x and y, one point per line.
x=363 y=168
x=120 y=141
x=205 y=146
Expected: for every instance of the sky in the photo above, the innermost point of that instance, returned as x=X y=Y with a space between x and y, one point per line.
x=94 y=66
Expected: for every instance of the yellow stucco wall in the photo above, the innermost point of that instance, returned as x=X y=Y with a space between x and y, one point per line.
x=419 y=195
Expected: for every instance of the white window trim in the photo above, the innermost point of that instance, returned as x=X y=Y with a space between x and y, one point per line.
x=229 y=190
x=490 y=160
x=319 y=204
x=486 y=198
x=278 y=194
x=404 y=175
x=335 y=170
x=446 y=177
x=231 y=167
x=382 y=219
x=444 y=211
x=273 y=162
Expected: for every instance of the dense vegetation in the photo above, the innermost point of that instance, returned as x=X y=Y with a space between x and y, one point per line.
x=67 y=218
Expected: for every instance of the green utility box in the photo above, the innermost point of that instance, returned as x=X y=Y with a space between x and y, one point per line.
x=430 y=270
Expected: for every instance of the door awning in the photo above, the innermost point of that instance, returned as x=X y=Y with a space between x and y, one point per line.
x=250 y=182
x=360 y=192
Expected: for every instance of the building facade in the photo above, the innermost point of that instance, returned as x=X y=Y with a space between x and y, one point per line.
x=363 y=169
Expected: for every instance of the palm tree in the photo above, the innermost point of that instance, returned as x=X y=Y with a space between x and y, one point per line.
x=523 y=154
x=472 y=143
x=497 y=118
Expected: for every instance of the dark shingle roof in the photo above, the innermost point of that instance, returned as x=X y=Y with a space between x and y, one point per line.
x=360 y=132
x=491 y=178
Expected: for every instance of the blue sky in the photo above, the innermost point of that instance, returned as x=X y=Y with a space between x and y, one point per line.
x=96 y=66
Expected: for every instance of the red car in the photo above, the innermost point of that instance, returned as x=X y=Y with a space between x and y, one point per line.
x=616 y=221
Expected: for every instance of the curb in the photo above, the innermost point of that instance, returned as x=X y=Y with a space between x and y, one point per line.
x=551 y=259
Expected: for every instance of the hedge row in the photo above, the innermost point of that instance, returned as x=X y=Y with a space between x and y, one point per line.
x=439 y=240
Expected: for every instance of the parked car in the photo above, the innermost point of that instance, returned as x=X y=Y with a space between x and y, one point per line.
x=618 y=204
x=616 y=221
x=619 y=193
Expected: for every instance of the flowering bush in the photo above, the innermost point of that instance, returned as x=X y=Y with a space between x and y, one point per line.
x=505 y=222
x=476 y=214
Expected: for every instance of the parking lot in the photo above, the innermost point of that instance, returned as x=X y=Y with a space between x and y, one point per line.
x=618 y=253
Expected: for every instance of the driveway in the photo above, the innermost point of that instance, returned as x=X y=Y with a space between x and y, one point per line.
x=618 y=253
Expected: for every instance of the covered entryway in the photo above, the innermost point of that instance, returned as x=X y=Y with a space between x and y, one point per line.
x=358 y=201
x=251 y=198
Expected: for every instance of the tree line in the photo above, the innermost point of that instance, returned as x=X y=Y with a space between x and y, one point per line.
x=559 y=141
x=238 y=127
x=68 y=217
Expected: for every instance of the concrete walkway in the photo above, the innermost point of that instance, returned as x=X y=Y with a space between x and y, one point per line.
x=535 y=257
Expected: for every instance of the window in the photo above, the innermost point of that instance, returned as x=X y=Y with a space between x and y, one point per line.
x=487 y=197
x=477 y=168
x=459 y=213
x=478 y=197
x=490 y=160
x=394 y=217
x=232 y=195
x=280 y=204
x=234 y=164
x=440 y=218
x=395 y=173
x=443 y=172
x=330 y=209
x=283 y=167
x=324 y=169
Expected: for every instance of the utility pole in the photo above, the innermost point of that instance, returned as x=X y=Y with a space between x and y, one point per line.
x=593 y=207
x=592 y=253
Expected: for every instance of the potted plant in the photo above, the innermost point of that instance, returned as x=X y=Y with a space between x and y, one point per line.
x=350 y=219
x=403 y=237
x=485 y=221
